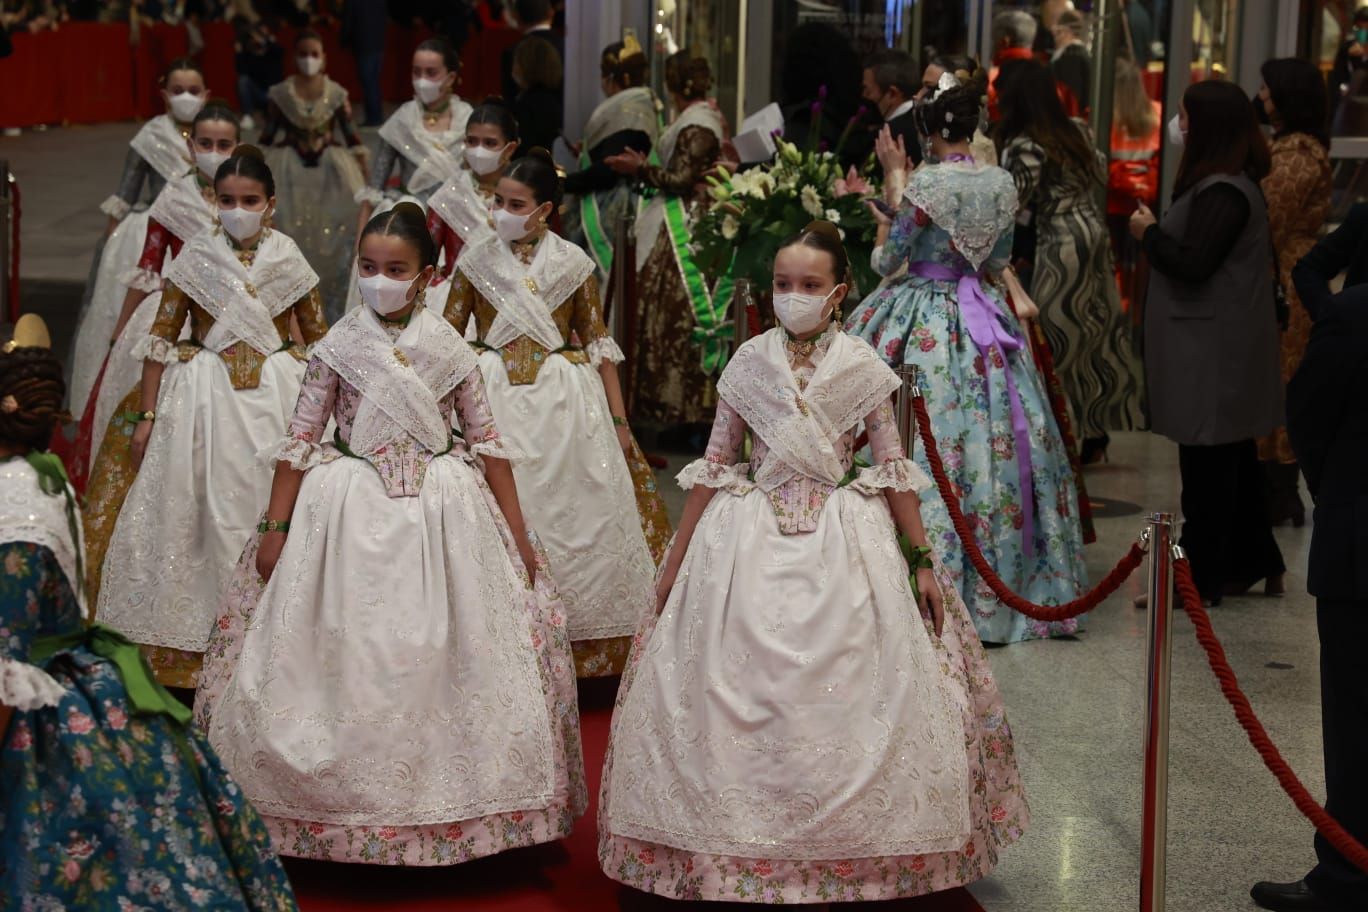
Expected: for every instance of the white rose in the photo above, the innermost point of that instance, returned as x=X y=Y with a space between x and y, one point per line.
x=730 y=226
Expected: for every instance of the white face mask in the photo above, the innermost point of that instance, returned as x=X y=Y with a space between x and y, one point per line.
x=484 y=161
x=800 y=314
x=241 y=223
x=383 y=294
x=509 y=226
x=309 y=66
x=427 y=90
x=1175 y=132
x=208 y=162
x=185 y=106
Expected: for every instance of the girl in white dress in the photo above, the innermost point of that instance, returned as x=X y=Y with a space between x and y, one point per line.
x=804 y=721
x=551 y=369
x=401 y=691
x=209 y=406
x=156 y=156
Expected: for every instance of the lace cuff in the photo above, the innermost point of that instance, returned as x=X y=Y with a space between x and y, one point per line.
x=27 y=687
x=603 y=349
x=499 y=450
x=142 y=279
x=893 y=475
x=711 y=474
x=155 y=348
x=300 y=454
x=115 y=207
x=368 y=195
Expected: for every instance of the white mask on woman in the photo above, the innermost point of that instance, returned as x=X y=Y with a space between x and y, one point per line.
x=800 y=314
x=427 y=90
x=241 y=223
x=509 y=226
x=383 y=294
x=309 y=66
x=208 y=162
x=185 y=106
x=1175 y=132
x=484 y=161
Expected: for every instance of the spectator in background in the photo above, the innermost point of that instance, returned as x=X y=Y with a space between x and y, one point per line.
x=1211 y=339
x=817 y=54
x=535 y=18
x=1072 y=64
x=1132 y=176
x=363 y=33
x=1297 y=190
x=1046 y=39
x=1351 y=62
x=1327 y=420
x=260 y=65
x=1013 y=34
x=538 y=74
x=891 y=82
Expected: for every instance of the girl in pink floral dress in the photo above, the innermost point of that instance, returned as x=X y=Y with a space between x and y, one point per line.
x=791 y=729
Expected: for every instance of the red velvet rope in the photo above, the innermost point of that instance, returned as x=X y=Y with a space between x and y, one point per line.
x=1047 y=613
x=1341 y=839
x=14 y=249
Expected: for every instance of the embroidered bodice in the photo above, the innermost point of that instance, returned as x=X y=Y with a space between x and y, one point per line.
x=579 y=318
x=798 y=503
x=309 y=126
x=403 y=463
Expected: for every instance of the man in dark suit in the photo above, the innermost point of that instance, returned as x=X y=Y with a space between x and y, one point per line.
x=892 y=81
x=535 y=18
x=1327 y=421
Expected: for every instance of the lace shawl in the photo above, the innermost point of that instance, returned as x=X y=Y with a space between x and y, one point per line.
x=313 y=116
x=525 y=295
x=29 y=515
x=181 y=207
x=975 y=204
x=630 y=109
x=162 y=146
x=437 y=157
x=461 y=207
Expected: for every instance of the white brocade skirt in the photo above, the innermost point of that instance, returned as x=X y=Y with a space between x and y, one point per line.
x=788 y=709
x=576 y=491
x=396 y=694
x=96 y=325
x=196 y=499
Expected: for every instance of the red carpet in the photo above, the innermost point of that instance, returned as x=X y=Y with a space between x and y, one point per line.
x=561 y=877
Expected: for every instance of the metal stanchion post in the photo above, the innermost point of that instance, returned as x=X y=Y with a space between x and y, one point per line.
x=740 y=317
x=907 y=373
x=1154 y=830
x=5 y=213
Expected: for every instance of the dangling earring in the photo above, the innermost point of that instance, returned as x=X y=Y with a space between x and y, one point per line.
x=420 y=299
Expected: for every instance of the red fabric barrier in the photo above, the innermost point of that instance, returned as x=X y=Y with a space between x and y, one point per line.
x=88 y=72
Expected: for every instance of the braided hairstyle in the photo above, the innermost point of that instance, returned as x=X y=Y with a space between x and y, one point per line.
x=496 y=112
x=822 y=235
x=31 y=391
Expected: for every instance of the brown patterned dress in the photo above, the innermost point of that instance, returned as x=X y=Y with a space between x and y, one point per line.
x=668 y=383
x=1298 y=195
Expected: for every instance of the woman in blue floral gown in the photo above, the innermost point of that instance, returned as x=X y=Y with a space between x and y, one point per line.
x=989 y=412
x=108 y=800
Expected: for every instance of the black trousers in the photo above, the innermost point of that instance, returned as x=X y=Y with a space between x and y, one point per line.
x=1225 y=517
x=1343 y=627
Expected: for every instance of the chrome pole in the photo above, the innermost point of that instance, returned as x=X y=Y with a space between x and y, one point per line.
x=1154 y=830
x=740 y=317
x=907 y=421
x=5 y=202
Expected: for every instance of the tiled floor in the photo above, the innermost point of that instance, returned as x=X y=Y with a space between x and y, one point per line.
x=1076 y=707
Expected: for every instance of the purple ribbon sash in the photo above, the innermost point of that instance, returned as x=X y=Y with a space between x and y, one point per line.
x=983 y=320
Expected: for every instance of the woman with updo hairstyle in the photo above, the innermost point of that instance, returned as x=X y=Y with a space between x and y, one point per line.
x=625 y=119
x=319 y=160
x=671 y=372
x=400 y=582
x=1058 y=174
x=789 y=623
x=551 y=370
x=538 y=72
x=156 y=156
x=209 y=405
x=989 y=411
x=91 y=749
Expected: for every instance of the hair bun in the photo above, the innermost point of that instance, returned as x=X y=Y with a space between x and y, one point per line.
x=541 y=153
x=823 y=227
x=247 y=150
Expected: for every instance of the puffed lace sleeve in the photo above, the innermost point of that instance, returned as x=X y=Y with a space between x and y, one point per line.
x=720 y=466
x=587 y=322
x=471 y=404
x=892 y=470
x=317 y=399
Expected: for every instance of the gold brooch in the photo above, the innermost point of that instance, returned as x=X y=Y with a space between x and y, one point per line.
x=250 y=289
x=401 y=358
x=802 y=406
x=531 y=284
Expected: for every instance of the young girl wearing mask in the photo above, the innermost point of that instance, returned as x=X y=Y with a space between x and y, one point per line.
x=226 y=392
x=551 y=368
x=803 y=722
x=156 y=155
x=401 y=585
x=318 y=176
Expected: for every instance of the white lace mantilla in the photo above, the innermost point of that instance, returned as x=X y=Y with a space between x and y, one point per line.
x=437 y=157
x=975 y=204
x=242 y=301
x=183 y=208
x=525 y=295
x=29 y=515
x=630 y=109
x=162 y=146
x=313 y=115
x=802 y=427
x=460 y=206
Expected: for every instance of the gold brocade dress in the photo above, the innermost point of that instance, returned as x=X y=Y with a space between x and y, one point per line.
x=580 y=320
x=113 y=474
x=668 y=383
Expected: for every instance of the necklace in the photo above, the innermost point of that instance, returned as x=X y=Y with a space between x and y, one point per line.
x=432 y=115
x=395 y=321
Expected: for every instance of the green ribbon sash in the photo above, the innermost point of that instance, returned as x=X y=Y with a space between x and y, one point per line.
x=591 y=220
x=145 y=694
